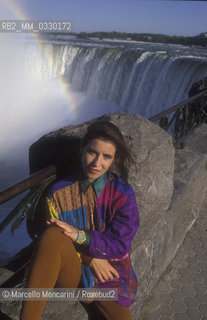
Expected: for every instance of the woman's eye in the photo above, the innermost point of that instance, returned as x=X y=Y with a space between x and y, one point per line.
x=90 y=151
x=107 y=157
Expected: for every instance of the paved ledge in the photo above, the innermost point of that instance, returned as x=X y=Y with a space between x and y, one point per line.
x=181 y=292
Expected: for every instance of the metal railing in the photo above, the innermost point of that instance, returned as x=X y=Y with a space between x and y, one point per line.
x=185 y=116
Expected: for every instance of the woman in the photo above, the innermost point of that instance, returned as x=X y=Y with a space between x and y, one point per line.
x=92 y=221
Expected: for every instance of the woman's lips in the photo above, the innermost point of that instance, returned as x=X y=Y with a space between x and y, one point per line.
x=93 y=170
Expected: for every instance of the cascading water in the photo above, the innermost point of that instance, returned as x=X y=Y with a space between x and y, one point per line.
x=98 y=77
x=133 y=77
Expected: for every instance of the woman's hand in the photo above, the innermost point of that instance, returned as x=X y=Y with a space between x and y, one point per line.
x=104 y=270
x=70 y=231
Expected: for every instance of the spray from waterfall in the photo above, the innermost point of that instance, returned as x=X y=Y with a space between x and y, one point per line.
x=32 y=103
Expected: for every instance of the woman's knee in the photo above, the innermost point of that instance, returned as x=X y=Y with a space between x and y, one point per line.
x=52 y=233
x=59 y=242
x=54 y=237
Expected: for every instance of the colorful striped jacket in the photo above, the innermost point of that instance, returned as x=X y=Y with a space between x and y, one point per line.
x=107 y=211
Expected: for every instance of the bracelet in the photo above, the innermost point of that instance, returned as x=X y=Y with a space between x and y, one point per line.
x=81 y=237
x=77 y=232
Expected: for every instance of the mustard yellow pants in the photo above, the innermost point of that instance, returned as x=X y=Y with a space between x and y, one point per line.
x=55 y=263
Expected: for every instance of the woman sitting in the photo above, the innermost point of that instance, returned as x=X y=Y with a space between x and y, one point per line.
x=92 y=220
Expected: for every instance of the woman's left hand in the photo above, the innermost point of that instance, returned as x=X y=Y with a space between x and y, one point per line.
x=70 y=231
x=104 y=271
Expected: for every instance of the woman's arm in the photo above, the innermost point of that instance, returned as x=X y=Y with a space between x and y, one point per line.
x=101 y=267
x=116 y=240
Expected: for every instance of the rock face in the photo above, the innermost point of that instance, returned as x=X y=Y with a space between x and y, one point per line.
x=198 y=87
x=168 y=198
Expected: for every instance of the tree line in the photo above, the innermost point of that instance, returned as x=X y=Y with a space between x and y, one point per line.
x=198 y=40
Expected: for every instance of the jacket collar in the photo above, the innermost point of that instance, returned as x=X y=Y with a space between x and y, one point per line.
x=97 y=184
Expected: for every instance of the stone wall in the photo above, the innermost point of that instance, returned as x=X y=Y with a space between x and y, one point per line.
x=170 y=186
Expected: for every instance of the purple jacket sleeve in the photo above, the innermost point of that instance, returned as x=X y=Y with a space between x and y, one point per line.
x=116 y=240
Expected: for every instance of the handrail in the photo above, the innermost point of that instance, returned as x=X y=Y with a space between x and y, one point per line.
x=177 y=106
x=41 y=175
x=26 y=184
x=184 y=117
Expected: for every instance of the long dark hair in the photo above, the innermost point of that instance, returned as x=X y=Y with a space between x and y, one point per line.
x=106 y=130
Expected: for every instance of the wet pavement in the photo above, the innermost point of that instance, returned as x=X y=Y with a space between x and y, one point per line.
x=181 y=292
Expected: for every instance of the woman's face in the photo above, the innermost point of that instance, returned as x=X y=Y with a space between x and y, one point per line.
x=97 y=157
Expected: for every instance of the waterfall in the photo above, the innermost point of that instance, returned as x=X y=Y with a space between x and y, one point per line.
x=136 y=80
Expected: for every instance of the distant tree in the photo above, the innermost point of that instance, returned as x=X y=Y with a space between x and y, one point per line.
x=83 y=35
x=199 y=40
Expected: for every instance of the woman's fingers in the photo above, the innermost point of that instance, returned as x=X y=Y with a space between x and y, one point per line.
x=52 y=221
x=115 y=272
x=59 y=223
x=65 y=226
x=104 y=270
x=111 y=271
x=70 y=231
x=108 y=275
x=101 y=278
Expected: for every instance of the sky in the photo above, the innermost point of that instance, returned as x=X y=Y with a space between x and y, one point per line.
x=186 y=18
